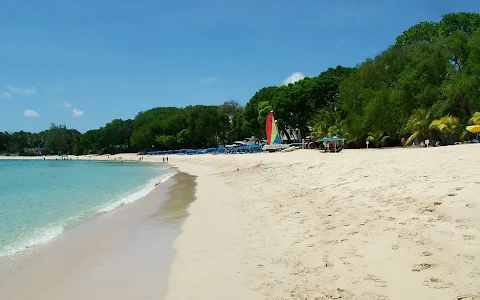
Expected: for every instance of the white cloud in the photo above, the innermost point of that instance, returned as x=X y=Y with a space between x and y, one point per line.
x=5 y=95
x=66 y=104
x=22 y=91
x=209 y=79
x=77 y=113
x=293 y=78
x=31 y=114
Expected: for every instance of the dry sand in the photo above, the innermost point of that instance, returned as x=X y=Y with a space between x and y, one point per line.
x=360 y=224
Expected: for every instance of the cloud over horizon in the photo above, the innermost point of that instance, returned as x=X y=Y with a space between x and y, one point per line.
x=66 y=104
x=29 y=113
x=22 y=91
x=293 y=78
x=209 y=79
x=77 y=113
x=5 y=95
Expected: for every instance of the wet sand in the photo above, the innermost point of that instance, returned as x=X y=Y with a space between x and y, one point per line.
x=360 y=224
x=123 y=254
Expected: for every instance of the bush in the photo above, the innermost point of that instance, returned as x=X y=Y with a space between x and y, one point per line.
x=28 y=153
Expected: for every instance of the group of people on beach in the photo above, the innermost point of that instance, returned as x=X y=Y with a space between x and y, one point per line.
x=415 y=143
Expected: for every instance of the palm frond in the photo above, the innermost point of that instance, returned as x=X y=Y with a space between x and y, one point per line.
x=412 y=138
x=446 y=125
x=475 y=119
x=418 y=122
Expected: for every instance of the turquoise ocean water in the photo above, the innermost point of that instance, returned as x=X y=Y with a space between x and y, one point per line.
x=39 y=199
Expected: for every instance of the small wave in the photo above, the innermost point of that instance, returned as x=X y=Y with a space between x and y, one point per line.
x=40 y=237
x=49 y=233
x=138 y=194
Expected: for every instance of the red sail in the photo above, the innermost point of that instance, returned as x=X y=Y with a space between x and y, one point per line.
x=269 y=127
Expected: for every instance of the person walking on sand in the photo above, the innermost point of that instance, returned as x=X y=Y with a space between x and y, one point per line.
x=163 y=159
x=167 y=159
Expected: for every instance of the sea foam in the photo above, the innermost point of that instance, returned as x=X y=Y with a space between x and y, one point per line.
x=138 y=194
x=38 y=237
x=48 y=231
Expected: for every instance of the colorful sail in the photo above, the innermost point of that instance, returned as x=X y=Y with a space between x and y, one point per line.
x=273 y=136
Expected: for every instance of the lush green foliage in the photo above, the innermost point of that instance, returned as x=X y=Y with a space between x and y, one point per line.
x=378 y=139
x=446 y=125
x=432 y=71
x=418 y=125
x=57 y=140
x=475 y=119
x=425 y=86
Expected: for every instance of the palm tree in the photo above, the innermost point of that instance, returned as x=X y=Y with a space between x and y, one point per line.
x=417 y=125
x=320 y=130
x=352 y=138
x=379 y=139
x=333 y=131
x=446 y=125
x=475 y=119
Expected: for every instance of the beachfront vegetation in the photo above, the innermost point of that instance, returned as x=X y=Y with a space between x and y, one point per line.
x=446 y=125
x=425 y=86
x=378 y=139
x=475 y=119
x=418 y=125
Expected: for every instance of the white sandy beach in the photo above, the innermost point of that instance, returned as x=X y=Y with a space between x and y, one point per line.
x=361 y=224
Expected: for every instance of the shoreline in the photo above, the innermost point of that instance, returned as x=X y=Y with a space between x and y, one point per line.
x=87 y=260
x=209 y=247
x=363 y=224
x=120 y=200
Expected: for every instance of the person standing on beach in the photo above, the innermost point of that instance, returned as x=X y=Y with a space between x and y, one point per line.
x=167 y=159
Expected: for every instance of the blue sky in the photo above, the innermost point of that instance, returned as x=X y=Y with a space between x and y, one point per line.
x=84 y=63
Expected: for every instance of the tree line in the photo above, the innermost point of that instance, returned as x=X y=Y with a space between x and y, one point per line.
x=425 y=86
